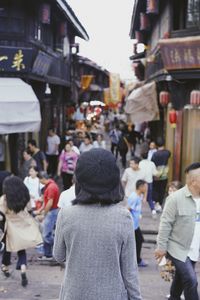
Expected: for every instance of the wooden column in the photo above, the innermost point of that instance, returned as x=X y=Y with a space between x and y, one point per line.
x=177 y=146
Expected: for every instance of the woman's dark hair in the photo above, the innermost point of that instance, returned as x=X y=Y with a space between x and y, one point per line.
x=16 y=193
x=112 y=197
x=34 y=168
x=175 y=184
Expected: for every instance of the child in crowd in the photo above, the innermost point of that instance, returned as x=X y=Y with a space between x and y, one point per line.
x=173 y=186
x=135 y=207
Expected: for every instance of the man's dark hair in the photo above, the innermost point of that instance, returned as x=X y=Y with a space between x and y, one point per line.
x=192 y=167
x=136 y=159
x=139 y=183
x=32 y=142
x=144 y=155
x=17 y=194
x=43 y=174
x=160 y=142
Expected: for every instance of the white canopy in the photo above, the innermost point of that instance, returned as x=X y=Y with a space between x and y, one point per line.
x=19 y=107
x=141 y=105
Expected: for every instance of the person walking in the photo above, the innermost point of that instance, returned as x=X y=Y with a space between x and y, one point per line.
x=66 y=165
x=149 y=169
x=22 y=232
x=35 y=188
x=86 y=145
x=135 y=207
x=100 y=142
x=28 y=162
x=50 y=212
x=37 y=155
x=160 y=159
x=53 y=142
x=179 y=235
x=152 y=150
x=130 y=176
x=95 y=235
x=114 y=135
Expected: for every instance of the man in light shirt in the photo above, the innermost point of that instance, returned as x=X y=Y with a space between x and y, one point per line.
x=179 y=235
x=149 y=168
x=130 y=176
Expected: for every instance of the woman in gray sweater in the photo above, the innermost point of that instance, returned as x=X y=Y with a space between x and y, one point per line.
x=95 y=235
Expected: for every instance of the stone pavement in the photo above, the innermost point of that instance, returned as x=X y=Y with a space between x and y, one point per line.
x=45 y=279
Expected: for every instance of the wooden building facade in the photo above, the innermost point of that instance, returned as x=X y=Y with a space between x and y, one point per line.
x=170 y=31
x=36 y=38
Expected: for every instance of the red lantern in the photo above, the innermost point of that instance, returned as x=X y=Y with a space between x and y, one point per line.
x=173 y=118
x=164 y=98
x=144 y=22
x=195 y=98
x=63 y=29
x=45 y=11
x=152 y=7
x=97 y=110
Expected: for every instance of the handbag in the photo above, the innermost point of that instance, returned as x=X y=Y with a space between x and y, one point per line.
x=22 y=231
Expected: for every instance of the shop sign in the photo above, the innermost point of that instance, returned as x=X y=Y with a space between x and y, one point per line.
x=180 y=53
x=13 y=59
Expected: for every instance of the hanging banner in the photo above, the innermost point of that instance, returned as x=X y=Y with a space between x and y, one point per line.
x=106 y=93
x=114 y=87
x=86 y=80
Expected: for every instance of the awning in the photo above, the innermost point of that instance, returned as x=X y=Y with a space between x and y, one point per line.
x=141 y=105
x=19 y=107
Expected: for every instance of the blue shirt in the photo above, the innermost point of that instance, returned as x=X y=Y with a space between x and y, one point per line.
x=135 y=204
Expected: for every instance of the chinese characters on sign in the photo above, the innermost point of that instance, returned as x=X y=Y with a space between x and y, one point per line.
x=18 y=61
x=182 y=53
x=15 y=59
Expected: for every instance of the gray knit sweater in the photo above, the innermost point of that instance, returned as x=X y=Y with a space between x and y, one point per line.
x=98 y=246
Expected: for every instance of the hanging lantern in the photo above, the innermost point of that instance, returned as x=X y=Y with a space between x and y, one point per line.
x=139 y=36
x=173 y=118
x=195 y=98
x=152 y=7
x=63 y=29
x=45 y=11
x=164 y=98
x=144 y=22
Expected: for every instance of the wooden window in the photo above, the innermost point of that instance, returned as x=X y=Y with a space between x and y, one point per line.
x=193 y=14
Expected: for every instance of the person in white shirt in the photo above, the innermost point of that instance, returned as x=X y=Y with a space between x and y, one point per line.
x=149 y=168
x=86 y=145
x=100 y=142
x=34 y=187
x=53 y=142
x=130 y=176
x=66 y=197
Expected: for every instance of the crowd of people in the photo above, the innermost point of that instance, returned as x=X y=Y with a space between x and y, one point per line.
x=98 y=208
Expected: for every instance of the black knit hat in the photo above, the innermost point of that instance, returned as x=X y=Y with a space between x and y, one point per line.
x=96 y=171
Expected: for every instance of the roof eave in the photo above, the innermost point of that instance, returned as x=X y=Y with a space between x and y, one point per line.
x=70 y=14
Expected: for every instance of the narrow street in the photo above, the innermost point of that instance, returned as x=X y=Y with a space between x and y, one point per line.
x=45 y=278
